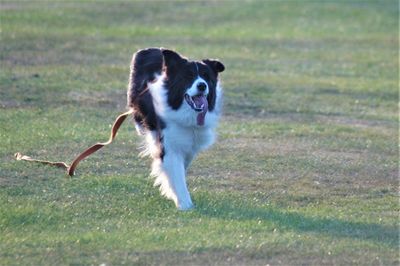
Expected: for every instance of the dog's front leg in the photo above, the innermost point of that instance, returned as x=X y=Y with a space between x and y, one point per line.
x=173 y=168
x=188 y=161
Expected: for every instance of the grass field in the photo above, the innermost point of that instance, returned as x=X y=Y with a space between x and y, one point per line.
x=305 y=170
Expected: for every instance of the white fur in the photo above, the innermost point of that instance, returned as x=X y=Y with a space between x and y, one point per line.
x=182 y=140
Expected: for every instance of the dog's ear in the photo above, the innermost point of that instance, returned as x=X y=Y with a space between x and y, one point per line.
x=171 y=58
x=215 y=65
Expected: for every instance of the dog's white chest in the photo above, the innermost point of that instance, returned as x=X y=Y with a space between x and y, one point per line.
x=188 y=140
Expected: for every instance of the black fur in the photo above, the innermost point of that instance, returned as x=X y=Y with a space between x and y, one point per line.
x=145 y=65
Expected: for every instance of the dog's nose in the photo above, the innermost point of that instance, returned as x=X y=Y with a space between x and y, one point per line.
x=202 y=86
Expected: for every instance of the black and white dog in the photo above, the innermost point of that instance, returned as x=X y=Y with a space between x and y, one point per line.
x=176 y=104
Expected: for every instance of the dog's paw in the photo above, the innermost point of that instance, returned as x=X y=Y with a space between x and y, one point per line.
x=187 y=206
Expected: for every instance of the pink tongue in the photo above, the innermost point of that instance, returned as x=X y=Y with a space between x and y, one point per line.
x=199 y=101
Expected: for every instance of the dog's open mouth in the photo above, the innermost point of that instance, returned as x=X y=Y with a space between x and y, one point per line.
x=198 y=103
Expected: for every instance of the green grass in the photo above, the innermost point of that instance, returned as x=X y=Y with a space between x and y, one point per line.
x=305 y=170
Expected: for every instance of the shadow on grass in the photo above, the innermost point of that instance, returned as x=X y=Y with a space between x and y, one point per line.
x=228 y=209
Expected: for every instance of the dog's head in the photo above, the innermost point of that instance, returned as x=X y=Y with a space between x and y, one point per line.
x=188 y=82
x=191 y=82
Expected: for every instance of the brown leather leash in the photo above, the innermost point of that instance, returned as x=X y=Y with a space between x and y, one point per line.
x=71 y=168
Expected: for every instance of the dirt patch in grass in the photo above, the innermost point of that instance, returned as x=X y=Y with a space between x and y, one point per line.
x=111 y=100
x=277 y=163
x=10 y=104
x=382 y=126
x=115 y=100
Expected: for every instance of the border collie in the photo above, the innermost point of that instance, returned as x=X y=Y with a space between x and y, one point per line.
x=176 y=105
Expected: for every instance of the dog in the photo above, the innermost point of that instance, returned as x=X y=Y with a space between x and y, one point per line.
x=176 y=107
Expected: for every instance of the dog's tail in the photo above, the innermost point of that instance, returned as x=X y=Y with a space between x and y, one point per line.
x=71 y=168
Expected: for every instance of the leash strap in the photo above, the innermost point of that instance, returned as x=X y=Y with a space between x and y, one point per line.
x=71 y=168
